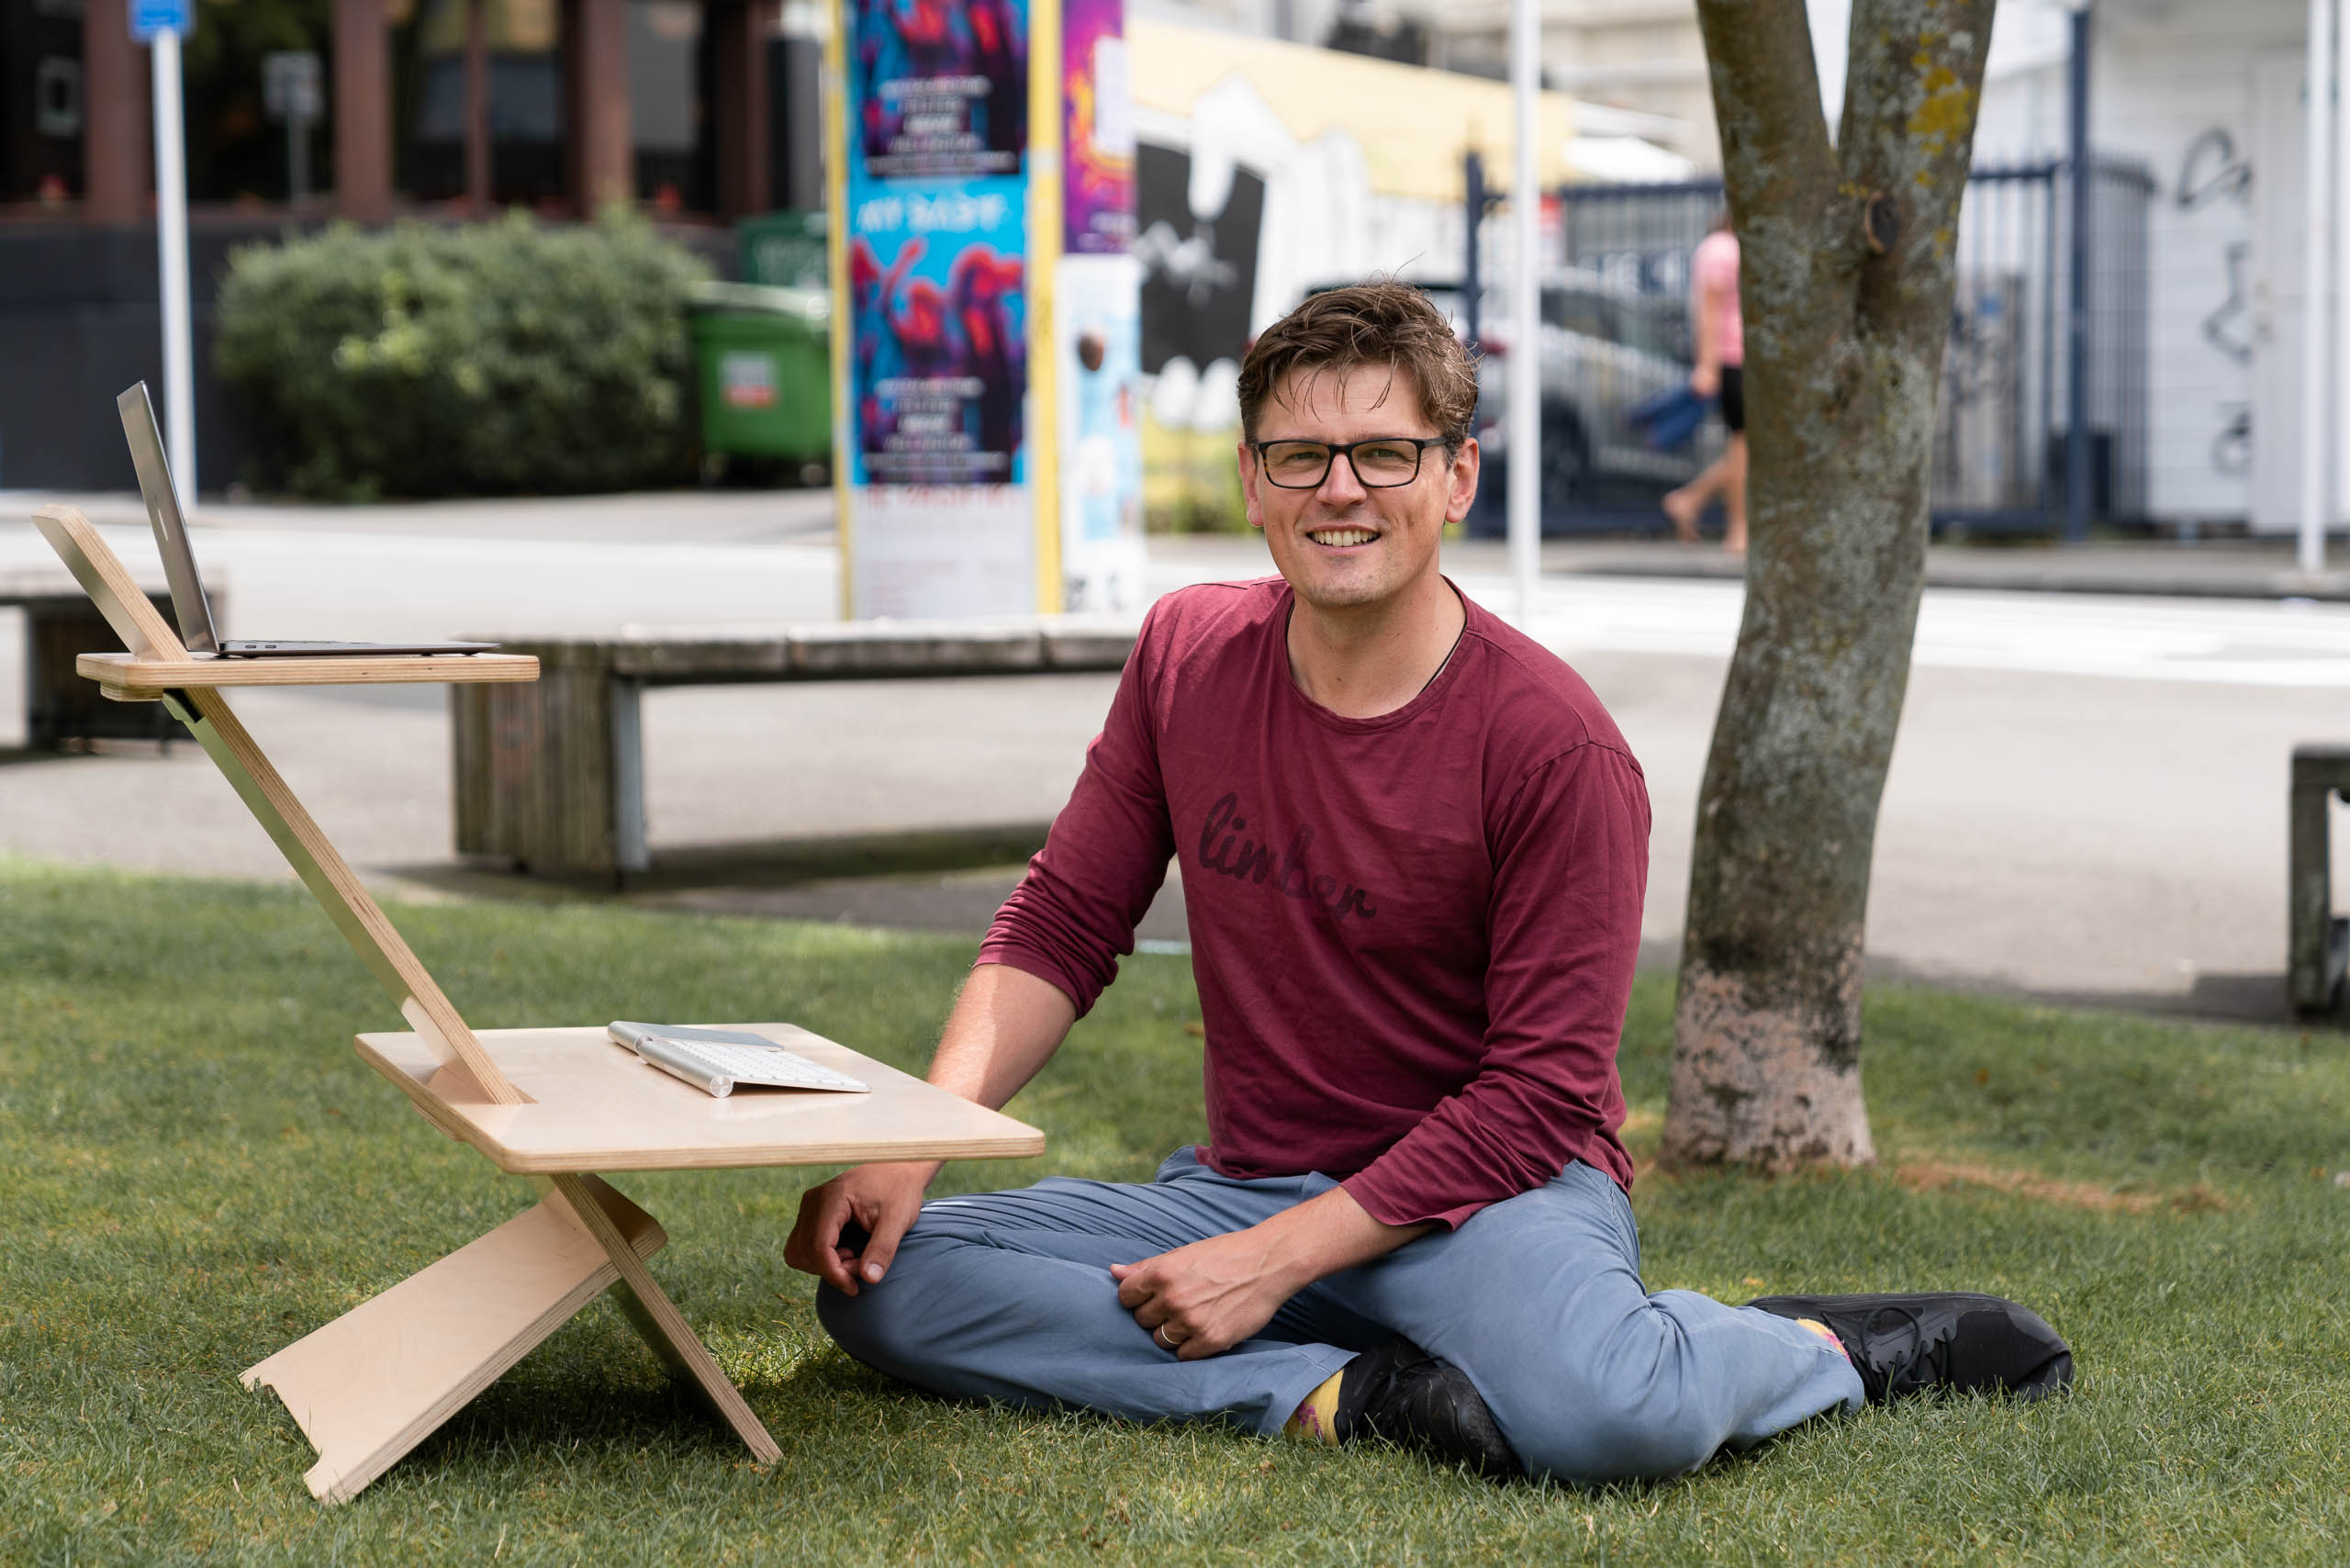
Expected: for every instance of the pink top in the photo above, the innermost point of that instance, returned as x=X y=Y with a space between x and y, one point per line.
x=1412 y=934
x=1713 y=276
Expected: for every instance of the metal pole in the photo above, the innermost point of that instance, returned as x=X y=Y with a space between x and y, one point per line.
x=1525 y=323
x=2077 y=318
x=478 y=170
x=171 y=257
x=297 y=157
x=2051 y=492
x=2316 y=256
x=1473 y=272
x=2312 y=551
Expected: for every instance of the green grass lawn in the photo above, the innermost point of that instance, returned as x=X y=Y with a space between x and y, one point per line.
x=195 y=1168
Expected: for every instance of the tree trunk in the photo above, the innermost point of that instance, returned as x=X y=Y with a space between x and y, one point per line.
x=1846 y=260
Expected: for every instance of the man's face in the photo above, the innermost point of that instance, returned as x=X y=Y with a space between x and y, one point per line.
x=1342 y=545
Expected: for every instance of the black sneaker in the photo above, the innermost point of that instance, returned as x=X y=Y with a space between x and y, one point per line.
x=1399 y=1391
x=1953 y=1339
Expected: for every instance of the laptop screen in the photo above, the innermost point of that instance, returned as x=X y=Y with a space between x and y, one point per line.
x=194 y=611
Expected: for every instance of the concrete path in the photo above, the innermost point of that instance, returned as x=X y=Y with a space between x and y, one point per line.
x=2226 y=568
x=2087 y=799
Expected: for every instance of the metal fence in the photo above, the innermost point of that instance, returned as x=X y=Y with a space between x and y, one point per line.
x=2000 y=421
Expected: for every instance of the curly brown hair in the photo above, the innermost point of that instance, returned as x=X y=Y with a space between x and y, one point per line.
x=1378 y=322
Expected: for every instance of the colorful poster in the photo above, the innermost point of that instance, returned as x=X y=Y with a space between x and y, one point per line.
x=938 y=89
x=1098 y=131
x=938 y=290
x=1097 y=311
x=939 y=458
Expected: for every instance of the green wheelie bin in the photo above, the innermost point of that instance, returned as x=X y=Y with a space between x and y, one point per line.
x=765 y=370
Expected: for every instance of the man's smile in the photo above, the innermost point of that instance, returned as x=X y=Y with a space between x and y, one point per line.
x=1341 y=538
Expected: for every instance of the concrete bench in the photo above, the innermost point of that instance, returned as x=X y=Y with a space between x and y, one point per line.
x=61 y=622
x=550 y=776
x=2319 y=941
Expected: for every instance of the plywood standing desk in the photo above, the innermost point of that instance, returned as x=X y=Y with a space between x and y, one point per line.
x=549 y=1104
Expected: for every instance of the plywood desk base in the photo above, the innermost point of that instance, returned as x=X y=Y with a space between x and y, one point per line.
x=553 y=1104
x=380 y=1379
x=374 y=1383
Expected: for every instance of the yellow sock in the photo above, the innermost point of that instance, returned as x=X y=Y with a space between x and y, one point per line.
x=1316 y=1420
x=1826 y=1333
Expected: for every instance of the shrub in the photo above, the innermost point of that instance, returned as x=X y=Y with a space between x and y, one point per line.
x=488 y=358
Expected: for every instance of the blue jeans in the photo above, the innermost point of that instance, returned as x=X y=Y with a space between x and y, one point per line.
x=1008 y=1296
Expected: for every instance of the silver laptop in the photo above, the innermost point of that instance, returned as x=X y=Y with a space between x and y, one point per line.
x=192 y=609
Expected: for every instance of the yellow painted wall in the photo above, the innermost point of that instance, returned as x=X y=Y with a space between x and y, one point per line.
x=1414 y=124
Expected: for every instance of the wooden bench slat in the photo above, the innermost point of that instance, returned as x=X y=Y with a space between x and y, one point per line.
x=552 y=776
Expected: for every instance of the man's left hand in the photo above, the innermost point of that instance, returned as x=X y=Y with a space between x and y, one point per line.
x=1207 y=1297
x=1203 y=1299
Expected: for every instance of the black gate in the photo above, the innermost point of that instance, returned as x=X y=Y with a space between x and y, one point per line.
x=1999 y=422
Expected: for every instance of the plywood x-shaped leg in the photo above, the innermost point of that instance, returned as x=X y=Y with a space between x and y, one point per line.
x=370 y=1386
x=657 y=1318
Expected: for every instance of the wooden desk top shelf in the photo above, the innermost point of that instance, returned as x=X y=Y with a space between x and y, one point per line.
x=129 y=679
x=553 y=1105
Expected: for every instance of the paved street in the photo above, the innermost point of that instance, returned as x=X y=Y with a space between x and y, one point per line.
x=2087 y=798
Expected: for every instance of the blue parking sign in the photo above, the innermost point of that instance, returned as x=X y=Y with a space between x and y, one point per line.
x=148 y=17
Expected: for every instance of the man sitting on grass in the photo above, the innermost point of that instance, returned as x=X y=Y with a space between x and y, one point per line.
x=1414 y=848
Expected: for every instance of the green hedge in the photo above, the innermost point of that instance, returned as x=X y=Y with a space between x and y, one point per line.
x=484 y=359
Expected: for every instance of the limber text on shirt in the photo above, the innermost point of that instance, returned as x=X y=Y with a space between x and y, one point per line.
x=1223 y=851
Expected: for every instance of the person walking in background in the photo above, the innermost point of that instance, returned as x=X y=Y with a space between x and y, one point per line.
x=1720 y=371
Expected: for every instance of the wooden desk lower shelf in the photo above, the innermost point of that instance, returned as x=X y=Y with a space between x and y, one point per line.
x=129 y=679
x=595 y=1106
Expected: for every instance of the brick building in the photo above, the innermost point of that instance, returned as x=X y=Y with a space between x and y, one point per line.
x=699 y=111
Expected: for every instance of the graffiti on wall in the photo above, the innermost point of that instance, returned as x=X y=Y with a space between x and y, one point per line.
x=1199 y=268
x=2228 y=328
x=2214 y=172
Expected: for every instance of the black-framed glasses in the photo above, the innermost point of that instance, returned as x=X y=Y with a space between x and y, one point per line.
x=1381 y=462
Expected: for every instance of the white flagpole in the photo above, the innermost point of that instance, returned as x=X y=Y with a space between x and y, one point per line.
x=2316 y=269
x=171 y=246
x=1526 y=326
x=2314 y=550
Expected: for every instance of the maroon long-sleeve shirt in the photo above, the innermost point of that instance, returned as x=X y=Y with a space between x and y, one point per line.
x=1412 y=934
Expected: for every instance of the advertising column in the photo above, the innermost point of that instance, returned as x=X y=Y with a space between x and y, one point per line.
x=937 y=516
x=961 y=488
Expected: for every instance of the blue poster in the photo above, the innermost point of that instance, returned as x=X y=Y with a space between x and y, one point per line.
x=937 y=277
x=937 y=241
x=937 y=88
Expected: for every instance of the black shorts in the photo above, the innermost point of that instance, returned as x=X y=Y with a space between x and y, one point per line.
x=1734 y=399
x=1733 y=396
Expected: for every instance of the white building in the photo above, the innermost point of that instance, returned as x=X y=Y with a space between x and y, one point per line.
x=1644 y=59
x=1636 y=67
x=2212 y=99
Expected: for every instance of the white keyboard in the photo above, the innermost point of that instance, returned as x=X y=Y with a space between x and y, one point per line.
x=769 y=1065
x=715 y=1060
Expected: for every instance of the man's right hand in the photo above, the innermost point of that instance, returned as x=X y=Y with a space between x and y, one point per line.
x=881 y=1199
x=1003 y=1026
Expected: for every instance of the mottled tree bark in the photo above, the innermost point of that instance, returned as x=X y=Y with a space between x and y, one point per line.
x=1846 y=280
